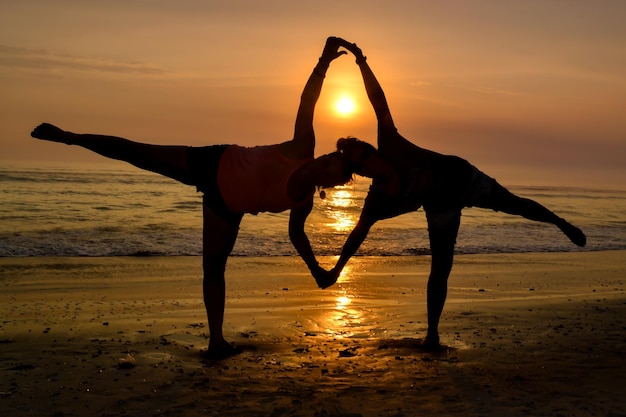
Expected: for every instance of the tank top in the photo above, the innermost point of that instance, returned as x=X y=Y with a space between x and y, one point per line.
x=253 y=180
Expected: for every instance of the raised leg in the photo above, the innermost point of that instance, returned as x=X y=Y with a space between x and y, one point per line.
x=219 y=237
x=443 y=228
x=501 y=199
x=170 y=161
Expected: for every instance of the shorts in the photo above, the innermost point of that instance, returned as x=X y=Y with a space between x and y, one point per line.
x=482 y=187
x=457 y=186
x=203 y=163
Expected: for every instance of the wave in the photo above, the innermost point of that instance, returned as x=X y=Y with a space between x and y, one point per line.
x=66 y=212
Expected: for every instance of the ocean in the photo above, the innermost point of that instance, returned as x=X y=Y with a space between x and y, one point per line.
x=97 y=211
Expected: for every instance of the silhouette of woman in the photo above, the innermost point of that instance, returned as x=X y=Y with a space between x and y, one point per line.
x=236 y=180
x=407 y=177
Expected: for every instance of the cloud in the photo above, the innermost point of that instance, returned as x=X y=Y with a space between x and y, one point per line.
x=420 y=84
x=493 y=91
x=42 y=60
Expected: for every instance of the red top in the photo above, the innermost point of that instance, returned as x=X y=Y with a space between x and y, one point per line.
x=253 y=180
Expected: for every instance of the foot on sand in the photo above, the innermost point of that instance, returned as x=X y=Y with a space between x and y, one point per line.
x=221 y=351
x=430 y=344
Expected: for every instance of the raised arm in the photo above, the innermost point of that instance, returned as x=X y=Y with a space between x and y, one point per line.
x=303 y=143
x=374 y=91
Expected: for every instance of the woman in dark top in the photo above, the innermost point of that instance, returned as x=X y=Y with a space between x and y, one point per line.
x=407 y=177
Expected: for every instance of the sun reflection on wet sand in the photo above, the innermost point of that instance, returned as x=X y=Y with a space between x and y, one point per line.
x=342 y=302
x=345 y=320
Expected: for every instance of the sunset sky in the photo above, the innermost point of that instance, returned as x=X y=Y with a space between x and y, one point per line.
x=531 y=92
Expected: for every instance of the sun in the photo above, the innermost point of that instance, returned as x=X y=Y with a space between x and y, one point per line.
x=345 y=106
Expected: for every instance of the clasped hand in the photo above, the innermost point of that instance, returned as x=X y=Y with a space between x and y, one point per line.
x=323 y=277
x=331 y=49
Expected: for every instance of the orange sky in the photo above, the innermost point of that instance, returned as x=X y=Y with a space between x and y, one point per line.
x=532 y=92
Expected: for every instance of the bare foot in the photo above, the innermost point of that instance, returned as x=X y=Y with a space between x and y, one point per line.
x=431 y=344
x=574 y=233
x=221 y=350
x=46 y=131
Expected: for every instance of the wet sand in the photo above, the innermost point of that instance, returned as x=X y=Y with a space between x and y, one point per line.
x=525 y=335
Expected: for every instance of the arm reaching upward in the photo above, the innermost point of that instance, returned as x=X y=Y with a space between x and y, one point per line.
x=303 y=143
x=374 y=91
x=303 y=146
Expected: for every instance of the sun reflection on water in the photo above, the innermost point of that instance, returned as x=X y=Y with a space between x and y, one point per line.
x=339 y=201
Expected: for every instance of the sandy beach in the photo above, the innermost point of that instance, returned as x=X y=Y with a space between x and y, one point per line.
x=525 y=334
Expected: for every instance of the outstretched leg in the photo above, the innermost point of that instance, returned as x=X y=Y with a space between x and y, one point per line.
x=219 y=236
x=170 y=161
x=501 y=199
x=443 y=228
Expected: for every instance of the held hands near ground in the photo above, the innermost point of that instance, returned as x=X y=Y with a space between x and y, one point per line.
x=324 y=278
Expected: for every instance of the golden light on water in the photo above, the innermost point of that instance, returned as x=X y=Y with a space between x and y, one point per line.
x=342 y=198
x=339 y=200
x=342 y=302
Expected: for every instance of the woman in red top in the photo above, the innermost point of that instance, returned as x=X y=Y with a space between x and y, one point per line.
x=237 y=180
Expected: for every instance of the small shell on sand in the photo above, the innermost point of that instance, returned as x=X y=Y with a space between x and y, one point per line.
x=127 y=362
